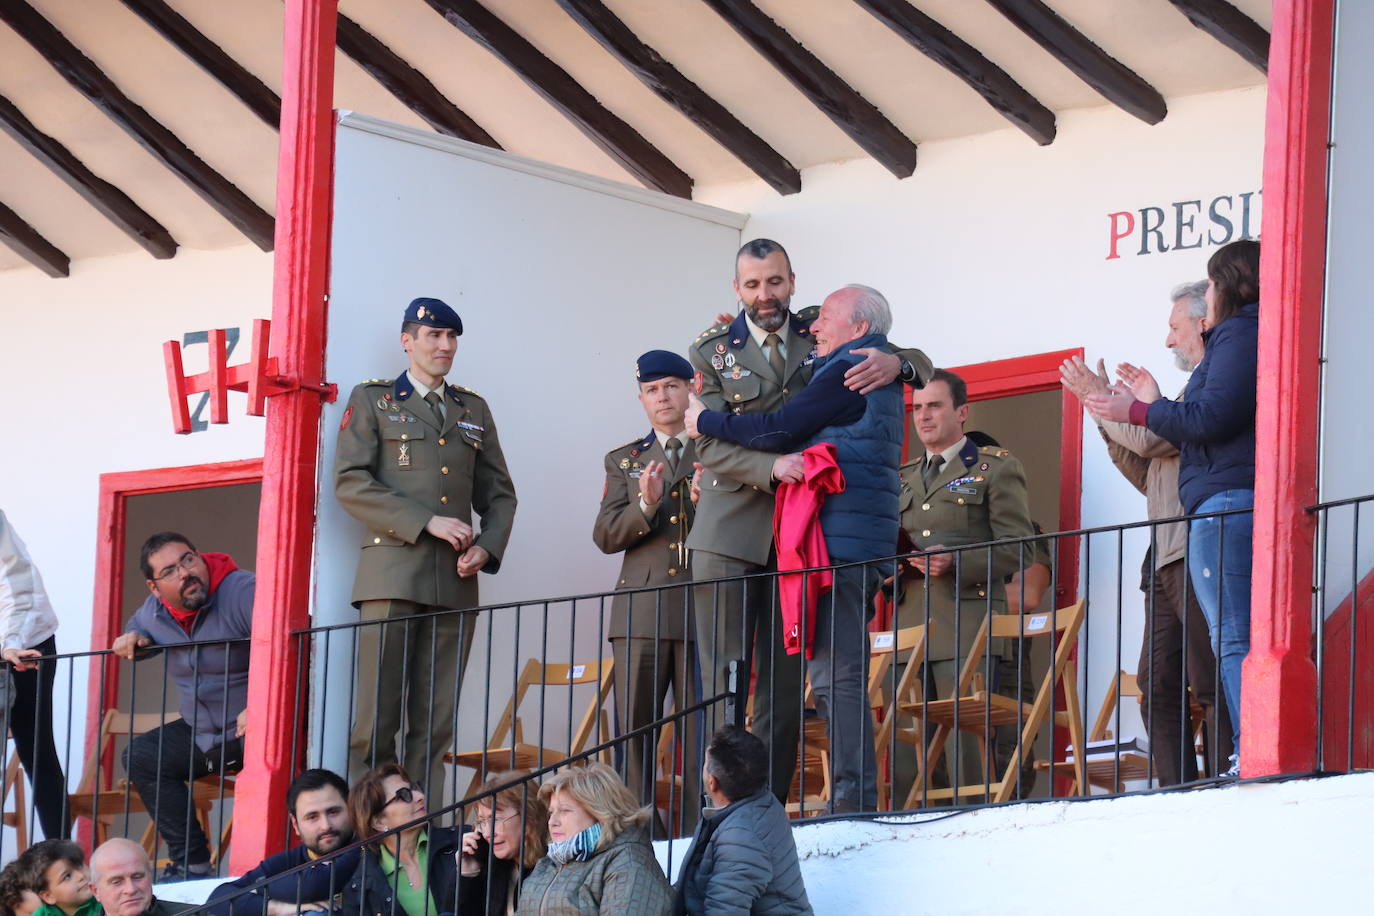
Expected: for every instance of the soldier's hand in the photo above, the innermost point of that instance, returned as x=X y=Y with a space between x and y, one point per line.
x=696 y=481
x=879 y=368
x=127 y=645
x=455 y=531
x=937 y=564
x=651 y=483
x=790 y=468
x=16 y=658
x=472 y=561
x=694 y=408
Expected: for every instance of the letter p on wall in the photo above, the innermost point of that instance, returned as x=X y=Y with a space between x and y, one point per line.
x=1115 y=231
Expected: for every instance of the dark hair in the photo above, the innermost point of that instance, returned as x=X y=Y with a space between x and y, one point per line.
x=958 y=389
x=313 y=781
x=11 y=889
x=32 y=866
x=411 y=327
x=1234 y=272
x=739 y=761
x=368 y=797
x=760 y=249
x=156 y=543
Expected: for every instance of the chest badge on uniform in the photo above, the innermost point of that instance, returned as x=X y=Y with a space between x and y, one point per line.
x=739 y=372
x=983 y=466
x=381 y=403
x=729 y=359
x=720 y=347
x=717 y=362
x=624 y=463
x=403 y=456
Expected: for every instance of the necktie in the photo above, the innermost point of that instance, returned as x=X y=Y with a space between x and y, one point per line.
x=673 y=449
x=932 y=469
x=775 y=361
x=436 y=406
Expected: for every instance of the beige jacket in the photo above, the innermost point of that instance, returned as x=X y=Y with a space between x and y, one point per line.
x=1150 y=463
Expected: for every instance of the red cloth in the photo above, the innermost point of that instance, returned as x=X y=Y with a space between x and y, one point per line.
x=801 y=545
x=220 y=565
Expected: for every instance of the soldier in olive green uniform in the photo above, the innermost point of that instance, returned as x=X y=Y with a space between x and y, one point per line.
x=415 y=458
x=755 y=364
x=955 y=493
x=646 y=512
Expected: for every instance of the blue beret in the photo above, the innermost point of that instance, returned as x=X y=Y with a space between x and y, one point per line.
x=657 y=364
x=434 y=313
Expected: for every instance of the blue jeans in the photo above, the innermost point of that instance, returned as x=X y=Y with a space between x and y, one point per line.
x=1219 y=554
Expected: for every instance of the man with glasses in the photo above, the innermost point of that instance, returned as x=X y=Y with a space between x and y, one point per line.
x=206 y=601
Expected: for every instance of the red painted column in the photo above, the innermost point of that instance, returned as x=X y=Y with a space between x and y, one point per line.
x=1278 y=703
x=287 y=517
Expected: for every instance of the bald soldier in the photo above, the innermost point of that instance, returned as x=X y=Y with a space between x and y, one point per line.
x=955 y=492
x=646 y=512
x=416 y=457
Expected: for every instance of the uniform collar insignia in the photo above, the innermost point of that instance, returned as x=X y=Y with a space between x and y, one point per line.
x=647 y=442
x=403 y=388
x=739 y=332
x=799 y=327
x=969 y=453
x=455 y=392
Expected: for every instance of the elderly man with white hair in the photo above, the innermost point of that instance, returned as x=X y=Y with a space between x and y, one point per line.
x=858 y=518
x=122 y=880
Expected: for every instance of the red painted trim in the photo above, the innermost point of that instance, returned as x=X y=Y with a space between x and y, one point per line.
x=1343 y=746
x=287 y=517
x=107 y=608
x=1278 y=727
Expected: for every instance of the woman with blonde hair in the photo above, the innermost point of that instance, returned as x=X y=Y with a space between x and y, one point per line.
x=506 y=841
x=599 y=857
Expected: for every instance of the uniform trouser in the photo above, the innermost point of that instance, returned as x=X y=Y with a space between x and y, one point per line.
x=1175 y=627
x=30 y=724
x=406 y=689
x=740 y=620
x=644 y=671
x=839 y=680
x=161 y=764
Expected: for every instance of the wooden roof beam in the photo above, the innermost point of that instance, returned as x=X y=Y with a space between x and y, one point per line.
x=211 y=58
x=618 y=139
x=88 y=79
x=965 y=61
x=1231 y=27
x=1119 y=84
x=117 y=206
x=31 y=246
x=410 y=86
x=669 y=84
x=851 y=112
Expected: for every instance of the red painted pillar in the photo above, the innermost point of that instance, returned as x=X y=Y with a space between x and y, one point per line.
x=1278 y=703
x=287 y=517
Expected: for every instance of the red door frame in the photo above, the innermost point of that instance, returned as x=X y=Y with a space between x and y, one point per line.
x=107 y=614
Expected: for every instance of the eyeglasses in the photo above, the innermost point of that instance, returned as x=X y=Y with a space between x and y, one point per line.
x=486 y=823
x=186 y=563
x=405 y=794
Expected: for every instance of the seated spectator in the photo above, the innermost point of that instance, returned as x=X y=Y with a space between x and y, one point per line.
x=742 y=858
x=599 y=858
x=386 y=798
x=317 y=803
x=122 y=879
x=193 y=597
x=15 y=898
x=507 y=840
x=55 y=870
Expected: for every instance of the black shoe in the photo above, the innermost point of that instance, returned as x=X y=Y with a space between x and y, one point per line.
x=173 y=873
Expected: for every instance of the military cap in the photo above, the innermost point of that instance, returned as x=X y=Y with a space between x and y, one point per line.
x=657 y=364
x=435 y=313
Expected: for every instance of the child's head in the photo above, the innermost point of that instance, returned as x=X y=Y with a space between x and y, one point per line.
x=55 y=870
x=15 y=898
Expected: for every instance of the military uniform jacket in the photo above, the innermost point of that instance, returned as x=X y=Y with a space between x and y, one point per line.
x=396 y=467
x=655 y=548
x=979 y=497
x=735 y=516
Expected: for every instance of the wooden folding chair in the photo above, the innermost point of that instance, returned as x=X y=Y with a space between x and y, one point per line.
x=500 y=754
x=910 y=647
x=978 y=712
x=104 y=805
x=18 y=818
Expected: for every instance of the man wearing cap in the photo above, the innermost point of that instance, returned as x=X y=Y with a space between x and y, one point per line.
x=646 y=511
x=416 y=456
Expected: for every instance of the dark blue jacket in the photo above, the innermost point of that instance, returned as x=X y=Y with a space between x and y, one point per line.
x=323 y=881
x=1214 y=425
x=866 y=430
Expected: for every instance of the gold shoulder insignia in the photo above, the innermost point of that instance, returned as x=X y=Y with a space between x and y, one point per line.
x=994 y=450
x=809 y=313
x=714 y=331
x=465 y=389
x=379 y=381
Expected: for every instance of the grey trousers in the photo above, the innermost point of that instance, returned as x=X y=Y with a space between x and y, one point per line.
x=740 y=620
x=406 y=690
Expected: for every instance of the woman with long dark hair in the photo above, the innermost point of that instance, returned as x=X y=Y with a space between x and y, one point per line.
x=1214 y=427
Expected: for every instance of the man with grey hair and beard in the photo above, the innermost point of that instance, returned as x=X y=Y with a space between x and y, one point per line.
x=1175 y=629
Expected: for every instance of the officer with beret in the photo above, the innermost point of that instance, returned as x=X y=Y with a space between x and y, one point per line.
x=646 y=512
x=416 y=457
x=955 y=492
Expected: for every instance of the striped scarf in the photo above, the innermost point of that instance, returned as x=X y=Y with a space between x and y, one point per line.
x=577 y=848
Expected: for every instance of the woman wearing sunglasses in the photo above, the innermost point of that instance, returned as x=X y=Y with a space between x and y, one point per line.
x=507 y=839
x=412 y=872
